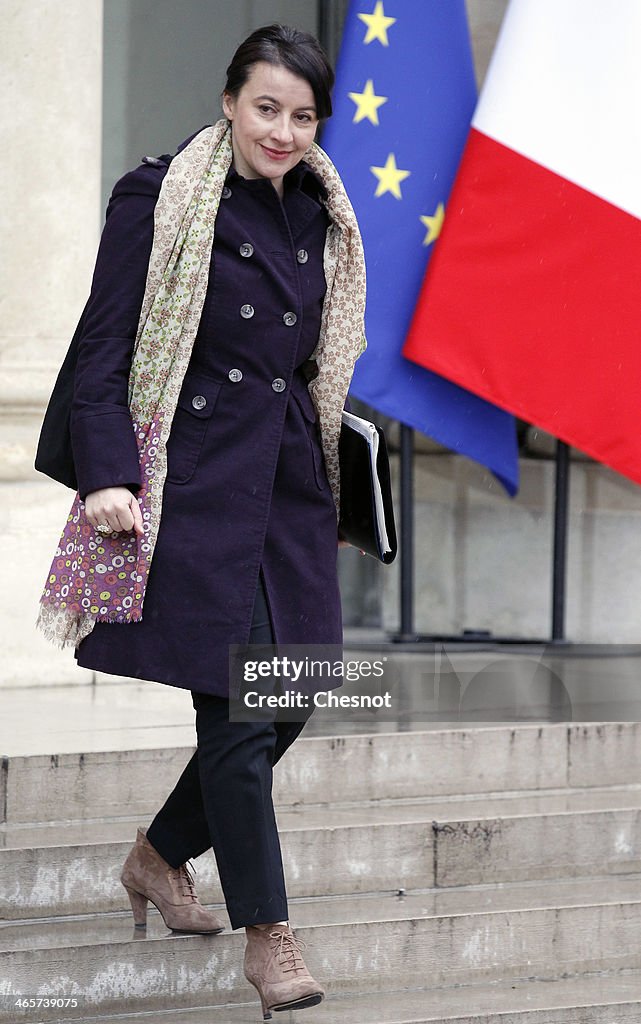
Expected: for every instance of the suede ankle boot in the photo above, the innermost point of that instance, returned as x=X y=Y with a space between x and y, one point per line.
x=147 y=877
x=275 y=967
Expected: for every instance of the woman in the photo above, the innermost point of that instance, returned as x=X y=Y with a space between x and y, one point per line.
x=225 y=317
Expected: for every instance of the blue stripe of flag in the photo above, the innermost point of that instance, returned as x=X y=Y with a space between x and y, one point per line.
x=420 y=65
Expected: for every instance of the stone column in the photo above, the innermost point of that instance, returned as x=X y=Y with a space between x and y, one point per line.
x=50 y=106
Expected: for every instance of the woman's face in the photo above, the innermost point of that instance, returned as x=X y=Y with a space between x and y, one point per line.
x=274 y=121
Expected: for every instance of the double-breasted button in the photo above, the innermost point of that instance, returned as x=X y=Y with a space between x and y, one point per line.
x=279 y=384
x=302 y=255
x=289 y=319
x=246 y=250
x=247 y=311
x=235 y=375
x=199 y=401
x=226 y=192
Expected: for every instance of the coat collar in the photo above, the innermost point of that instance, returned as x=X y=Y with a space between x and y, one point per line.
x=304 y=194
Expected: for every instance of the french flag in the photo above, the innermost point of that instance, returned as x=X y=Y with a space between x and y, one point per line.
x=532 y=298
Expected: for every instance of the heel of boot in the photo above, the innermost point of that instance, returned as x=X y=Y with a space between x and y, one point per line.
x=267 y=1013
x=138 y=906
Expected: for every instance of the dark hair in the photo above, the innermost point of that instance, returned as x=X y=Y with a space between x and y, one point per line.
x=298 y=52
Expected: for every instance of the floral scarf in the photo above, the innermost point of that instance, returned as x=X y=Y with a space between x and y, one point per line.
x=95 y=578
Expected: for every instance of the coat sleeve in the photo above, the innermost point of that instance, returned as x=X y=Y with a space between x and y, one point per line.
x=102 y=437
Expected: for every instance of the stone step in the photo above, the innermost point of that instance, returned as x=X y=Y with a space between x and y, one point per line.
x=469 y=935
x=383 y=765
x=74 y=868
x=599 y=999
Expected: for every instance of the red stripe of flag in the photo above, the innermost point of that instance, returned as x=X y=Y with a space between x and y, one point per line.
x=531 y=300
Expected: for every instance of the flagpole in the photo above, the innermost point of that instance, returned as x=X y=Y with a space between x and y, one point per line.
x=406 y=632
x=559 y=560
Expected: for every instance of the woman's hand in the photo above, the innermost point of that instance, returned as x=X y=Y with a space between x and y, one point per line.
x=115 y=507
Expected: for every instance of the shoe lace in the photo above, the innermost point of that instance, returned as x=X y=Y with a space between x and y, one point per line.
x=288 y=949
x=184 y=875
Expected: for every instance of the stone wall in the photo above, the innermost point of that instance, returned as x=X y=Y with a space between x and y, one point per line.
x=484 y=560
x=50 y=105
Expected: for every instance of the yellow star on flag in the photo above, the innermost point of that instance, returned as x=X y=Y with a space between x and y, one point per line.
x=377 y=25
x=433 y=224
x=389 y=178
x=367 y=103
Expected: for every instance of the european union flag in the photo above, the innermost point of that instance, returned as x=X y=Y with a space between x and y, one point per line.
x=404 y=98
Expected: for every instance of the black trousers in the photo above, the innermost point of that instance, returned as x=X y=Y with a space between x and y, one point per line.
x=223 y=799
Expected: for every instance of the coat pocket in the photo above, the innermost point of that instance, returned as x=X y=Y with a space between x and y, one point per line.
x=306 y=406
x=196 y=402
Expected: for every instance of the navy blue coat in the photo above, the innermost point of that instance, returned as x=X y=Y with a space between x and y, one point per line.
x=246 y=485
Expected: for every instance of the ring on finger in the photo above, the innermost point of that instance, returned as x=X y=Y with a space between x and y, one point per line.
x=104 y=528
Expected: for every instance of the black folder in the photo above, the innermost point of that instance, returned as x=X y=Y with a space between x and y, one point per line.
x=367 y=511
